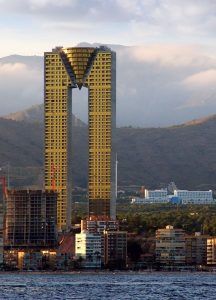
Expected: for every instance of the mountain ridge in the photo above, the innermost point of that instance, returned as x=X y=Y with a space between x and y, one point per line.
x=146 y=156
x=35 y=113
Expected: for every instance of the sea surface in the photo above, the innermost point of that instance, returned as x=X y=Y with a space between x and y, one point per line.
x=155 y=286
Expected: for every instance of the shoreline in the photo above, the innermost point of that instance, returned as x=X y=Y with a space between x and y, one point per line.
x=106 y=272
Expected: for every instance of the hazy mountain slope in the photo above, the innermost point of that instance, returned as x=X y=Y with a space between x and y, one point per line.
x=150 y=157
x=35 y=114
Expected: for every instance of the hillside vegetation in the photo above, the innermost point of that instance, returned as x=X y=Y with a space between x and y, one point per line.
x=152 y=157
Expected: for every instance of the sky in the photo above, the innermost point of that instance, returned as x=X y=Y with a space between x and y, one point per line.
x=166 y=69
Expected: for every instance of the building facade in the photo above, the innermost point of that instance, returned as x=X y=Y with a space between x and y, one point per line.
x=170 y=246
x=115 y=249
x=195 y=197
x=178 y=197
x=152 y=197
x=99 y=226
x=88 y=247
x=196 y=249
x=162 y=193
x=211 y=251
x=95 y=69
x=30 y=219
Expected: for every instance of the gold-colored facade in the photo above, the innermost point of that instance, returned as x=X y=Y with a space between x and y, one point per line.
x=95 y=69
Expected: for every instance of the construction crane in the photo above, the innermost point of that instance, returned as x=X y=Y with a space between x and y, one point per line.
x=7 y=166
x=4 y=186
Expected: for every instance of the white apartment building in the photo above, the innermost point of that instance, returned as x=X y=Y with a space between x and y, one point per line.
x=152 y=196
x=195 y=197
x=162 y=193
x=88 y=247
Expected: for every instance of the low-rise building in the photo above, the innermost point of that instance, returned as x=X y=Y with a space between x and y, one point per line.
x=211 y=251
x=30 y=259
x=151 y=194
x=196 y=249
x=152 y=197
x=179 y=197
x=88 y=249
x=195 y=197
x=170 y=246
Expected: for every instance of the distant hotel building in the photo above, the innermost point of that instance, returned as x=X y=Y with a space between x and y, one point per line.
x=179 y=197
x=195 y=197
x=170 y=246
x=152 y=196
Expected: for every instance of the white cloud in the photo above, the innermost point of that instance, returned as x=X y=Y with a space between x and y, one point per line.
x=204 y=79
x=157 y=85
x=170 y=55
x=10 y=68
x=20 y=86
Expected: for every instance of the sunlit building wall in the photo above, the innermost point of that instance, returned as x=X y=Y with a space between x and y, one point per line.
x=88 y=248
x=95 y=69
x=211 y=251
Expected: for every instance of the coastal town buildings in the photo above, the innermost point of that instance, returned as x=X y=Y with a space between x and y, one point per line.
x=113 y=242
x=195 y=197
x=177 y=197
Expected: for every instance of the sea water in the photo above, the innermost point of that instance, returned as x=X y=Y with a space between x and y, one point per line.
x=155 y=286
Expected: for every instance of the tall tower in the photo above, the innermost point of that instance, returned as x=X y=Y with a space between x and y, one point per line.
x=95 y=69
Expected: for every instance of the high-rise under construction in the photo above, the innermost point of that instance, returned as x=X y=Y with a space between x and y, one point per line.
x=95 y=69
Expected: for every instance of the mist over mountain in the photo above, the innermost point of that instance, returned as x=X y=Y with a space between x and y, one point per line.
x=35 y=114
x=157 y=84
x=146 y=156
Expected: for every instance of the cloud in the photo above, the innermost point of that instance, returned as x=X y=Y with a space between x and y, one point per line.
x=185 y=16
x=20 y=86
x=204 y=79
x=172 y=55
x=10 y=68
x=157 y=84
x=128 y=22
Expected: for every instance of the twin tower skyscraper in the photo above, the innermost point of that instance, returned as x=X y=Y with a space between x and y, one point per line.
x=95 y=69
